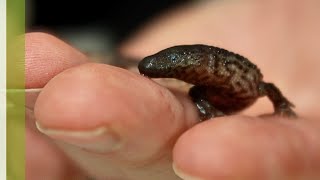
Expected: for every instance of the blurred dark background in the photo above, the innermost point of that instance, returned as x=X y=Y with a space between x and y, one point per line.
x=93 y=25
x=121 y=17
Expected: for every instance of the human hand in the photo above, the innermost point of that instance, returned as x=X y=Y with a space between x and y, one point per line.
x=115 y=135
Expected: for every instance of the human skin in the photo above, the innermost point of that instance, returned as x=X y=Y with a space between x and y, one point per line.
x=116 y=124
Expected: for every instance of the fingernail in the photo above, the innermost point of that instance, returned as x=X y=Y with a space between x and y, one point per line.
x=99 y=140
x=184 y=175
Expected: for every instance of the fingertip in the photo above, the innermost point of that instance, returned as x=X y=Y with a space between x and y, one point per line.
x=241 y=148
x=46 y=56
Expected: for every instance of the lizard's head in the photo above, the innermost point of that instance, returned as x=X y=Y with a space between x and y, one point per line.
x=168 y=62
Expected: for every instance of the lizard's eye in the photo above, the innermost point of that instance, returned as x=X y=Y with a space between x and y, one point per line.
x=173 y=57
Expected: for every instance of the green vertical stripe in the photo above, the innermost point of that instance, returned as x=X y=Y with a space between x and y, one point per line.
x=15 y=92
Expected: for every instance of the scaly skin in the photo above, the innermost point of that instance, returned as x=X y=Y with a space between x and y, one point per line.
x=224 y=82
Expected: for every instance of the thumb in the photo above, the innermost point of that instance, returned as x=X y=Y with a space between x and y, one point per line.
x=246 y=148
x=113 y=123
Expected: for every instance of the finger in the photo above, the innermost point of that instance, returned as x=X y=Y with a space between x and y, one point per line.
x=45 y=57
x=249 y=148
x=114 y=123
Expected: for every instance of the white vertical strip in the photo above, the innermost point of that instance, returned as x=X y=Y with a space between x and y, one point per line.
x=3 y=132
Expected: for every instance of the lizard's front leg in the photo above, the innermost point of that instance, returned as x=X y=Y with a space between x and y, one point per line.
x=206 y=109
